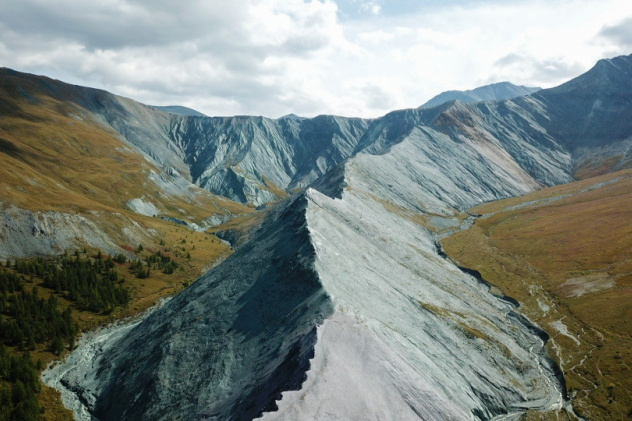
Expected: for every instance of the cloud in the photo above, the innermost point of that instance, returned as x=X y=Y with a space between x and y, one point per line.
x=237 y=53
x=354 y=9
x=540 y=71
x=114 y=24
x=620 y=33
x=377 y=97
x=371 y=7
x=274 y=57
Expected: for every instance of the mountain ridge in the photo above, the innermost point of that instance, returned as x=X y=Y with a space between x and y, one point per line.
x=254 y=159
x=345 y=272
x=179 y=109
x=350 y=297
x=492 y=92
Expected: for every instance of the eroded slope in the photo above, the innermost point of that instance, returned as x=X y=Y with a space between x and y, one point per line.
x=406 y=334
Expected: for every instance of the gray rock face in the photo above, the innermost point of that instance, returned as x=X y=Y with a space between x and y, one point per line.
x=343 y=300
x=226 y=347
x=594 y=109
x=246 y=158
x=24 y=233
x=549 y=133
x=507 y=138
x=493 y=92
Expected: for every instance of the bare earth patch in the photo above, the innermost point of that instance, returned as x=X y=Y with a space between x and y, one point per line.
x=576 y=287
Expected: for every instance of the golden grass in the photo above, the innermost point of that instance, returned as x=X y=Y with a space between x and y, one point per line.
x=531 y=253
x=590 y=169
x=54 y=409
x=242 y=224
x=54 y=157
x=274 y=188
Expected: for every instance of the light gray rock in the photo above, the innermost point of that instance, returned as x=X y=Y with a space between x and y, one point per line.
x=143 y=207
x=406 y=334
x=24 y=233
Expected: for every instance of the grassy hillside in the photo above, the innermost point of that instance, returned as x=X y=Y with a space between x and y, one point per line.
x=152 y=272
x=566 y=254
x=55 y=158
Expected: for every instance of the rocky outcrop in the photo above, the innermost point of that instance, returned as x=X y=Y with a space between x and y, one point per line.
x=25 y=233
x=226 y=347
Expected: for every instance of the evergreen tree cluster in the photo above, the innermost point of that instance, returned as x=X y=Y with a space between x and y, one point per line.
x=32 y=320
x=120 y=258
x=162 y=262
x=92 y=284
x=10 y=282
x=19 y=385
x=26 y=319
x=138 y=268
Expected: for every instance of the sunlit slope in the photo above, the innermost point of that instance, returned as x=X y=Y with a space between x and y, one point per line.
x=566 y=254
x=69 y=181
x=579 y=129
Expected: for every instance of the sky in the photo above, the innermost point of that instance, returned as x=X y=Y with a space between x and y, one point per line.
x=274 y=57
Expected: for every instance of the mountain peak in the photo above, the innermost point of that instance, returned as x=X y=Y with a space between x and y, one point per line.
x=291 y=116
x=492 y=92
x=180 y=110
x=606 y=76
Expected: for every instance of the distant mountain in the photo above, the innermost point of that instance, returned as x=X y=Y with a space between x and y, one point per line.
x=493 y=92
x=178 y=109
x=252 y=160
x=292 y=116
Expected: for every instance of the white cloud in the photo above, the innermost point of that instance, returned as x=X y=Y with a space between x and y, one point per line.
x=371 y=7
x=273 y=57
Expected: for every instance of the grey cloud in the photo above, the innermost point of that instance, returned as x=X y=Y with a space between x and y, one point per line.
x=115 y=25
x=536 y=72
x=211 y=26
x=620 y=33
x=553 y=69
x=164 y=49
x=377 y=98
x=508 y=60
x=304 y=44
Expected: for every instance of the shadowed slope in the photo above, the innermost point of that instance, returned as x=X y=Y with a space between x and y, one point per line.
x=225 y=346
